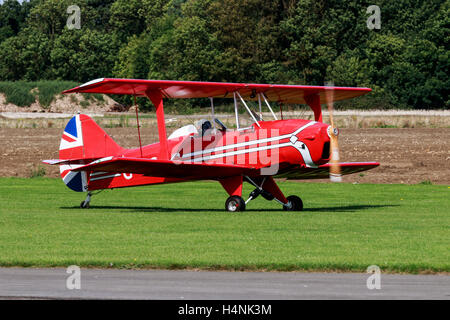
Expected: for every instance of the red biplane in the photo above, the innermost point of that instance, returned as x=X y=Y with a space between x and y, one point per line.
x=294 y=148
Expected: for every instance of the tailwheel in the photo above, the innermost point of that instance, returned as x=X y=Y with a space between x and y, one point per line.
x=294 y=204
x=85 y=204
x=234 y=204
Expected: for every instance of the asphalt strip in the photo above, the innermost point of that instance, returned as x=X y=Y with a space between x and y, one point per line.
x=60 y=283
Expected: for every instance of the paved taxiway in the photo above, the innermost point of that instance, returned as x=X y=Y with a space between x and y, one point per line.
x=19 y=283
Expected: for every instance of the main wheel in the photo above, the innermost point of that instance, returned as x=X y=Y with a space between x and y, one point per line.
x=294 y=204
x=234 y=204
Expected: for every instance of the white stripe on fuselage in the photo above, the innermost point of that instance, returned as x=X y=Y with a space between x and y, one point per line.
x=305 y=152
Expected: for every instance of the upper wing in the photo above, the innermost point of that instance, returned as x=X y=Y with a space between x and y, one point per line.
x=166 y=168
x=197 y=89
x=323 y=171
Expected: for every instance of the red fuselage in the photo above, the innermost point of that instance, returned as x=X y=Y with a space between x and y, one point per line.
x=274 y=146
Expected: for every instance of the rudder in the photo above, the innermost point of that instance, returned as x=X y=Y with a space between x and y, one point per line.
x=85 y=141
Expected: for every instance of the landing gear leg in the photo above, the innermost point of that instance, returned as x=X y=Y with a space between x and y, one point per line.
x=258 y=191
x=272 y=192
x=85 y=204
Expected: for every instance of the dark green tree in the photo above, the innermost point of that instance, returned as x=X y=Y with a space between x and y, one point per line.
x=83 y=55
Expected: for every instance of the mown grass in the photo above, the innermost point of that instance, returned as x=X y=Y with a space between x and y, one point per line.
x=344 y=227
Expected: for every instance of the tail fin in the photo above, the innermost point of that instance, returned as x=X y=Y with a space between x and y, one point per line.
x=83 y=140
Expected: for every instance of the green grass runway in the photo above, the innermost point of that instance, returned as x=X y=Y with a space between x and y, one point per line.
x=344 y=227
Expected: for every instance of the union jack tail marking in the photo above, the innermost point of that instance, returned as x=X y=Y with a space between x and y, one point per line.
x=71 y=147
x=84 y=141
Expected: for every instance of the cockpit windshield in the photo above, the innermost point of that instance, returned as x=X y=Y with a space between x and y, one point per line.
x=247 y=113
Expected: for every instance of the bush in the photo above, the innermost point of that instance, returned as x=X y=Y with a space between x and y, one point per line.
x=37 y=172
x=21 y=93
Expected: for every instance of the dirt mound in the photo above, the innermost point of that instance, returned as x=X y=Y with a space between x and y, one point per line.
x=66 y=104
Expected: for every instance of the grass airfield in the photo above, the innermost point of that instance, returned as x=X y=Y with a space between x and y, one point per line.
x=344 y=227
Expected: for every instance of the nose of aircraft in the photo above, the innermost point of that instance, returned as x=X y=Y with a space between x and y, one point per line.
x=320 y=133
x=313 y=143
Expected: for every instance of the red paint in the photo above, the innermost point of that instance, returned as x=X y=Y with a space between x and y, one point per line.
x=156 y=97
x=294 y=148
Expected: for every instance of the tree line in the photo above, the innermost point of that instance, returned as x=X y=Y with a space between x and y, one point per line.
x=310 y=42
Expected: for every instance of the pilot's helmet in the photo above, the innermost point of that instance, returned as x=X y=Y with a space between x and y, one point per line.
x=203 y=124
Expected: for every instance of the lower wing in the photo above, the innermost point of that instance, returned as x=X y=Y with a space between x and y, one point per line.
x=167 y=168
x=323 y=171
x=190 y=170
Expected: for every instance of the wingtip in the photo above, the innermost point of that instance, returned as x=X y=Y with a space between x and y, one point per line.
x=51 y=161
x=82 y=86
x=69 y=90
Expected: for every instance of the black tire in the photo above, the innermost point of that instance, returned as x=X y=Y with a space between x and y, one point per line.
x=235 y=204
x=296 y=204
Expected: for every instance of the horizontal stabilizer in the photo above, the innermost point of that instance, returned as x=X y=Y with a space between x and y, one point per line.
x=53 y=161
x=68 y=161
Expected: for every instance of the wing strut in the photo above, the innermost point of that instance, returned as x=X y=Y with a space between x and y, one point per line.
x=313 y=101
x=138 y=125
x=268 y=105
x=156 y=98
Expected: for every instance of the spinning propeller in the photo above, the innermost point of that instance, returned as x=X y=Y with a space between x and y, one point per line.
x=333 y=132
